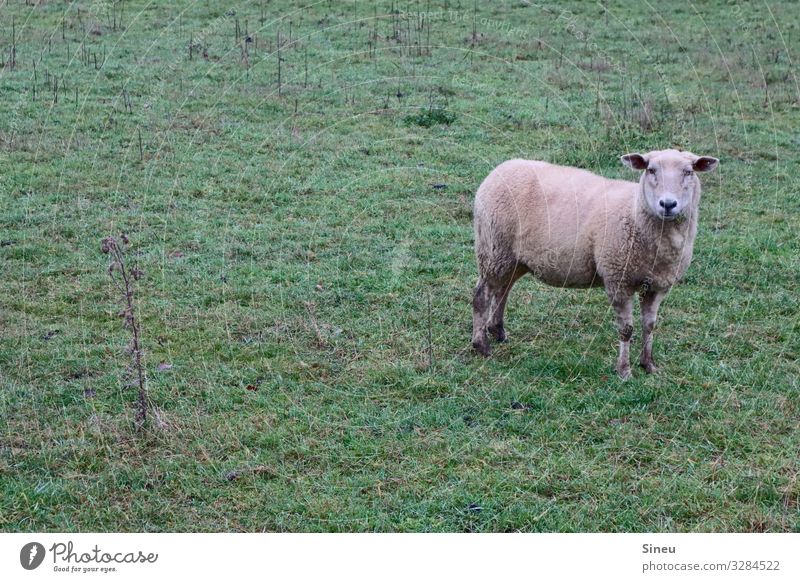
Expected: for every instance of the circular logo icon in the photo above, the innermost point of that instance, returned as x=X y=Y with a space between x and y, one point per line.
x=31 y=555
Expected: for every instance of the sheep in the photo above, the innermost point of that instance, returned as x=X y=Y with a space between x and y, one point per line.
x=572 y=228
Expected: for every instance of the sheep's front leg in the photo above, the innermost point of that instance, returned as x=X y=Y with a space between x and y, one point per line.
x=649 y=303
x=481 y=303
x=623 y=307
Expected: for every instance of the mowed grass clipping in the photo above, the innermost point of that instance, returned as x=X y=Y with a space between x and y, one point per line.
x=296 y=181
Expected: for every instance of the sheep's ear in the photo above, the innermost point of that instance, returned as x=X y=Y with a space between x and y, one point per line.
x=704 y=164
x=634 y=161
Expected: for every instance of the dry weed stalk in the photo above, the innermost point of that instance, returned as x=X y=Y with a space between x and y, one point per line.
x=123 y=278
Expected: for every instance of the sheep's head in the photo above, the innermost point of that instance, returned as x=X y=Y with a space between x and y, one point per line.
x=669 y=185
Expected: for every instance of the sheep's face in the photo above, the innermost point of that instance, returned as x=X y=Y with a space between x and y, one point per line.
x=669 y=185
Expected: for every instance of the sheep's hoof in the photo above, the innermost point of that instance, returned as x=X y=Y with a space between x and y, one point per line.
x=624 y=373
x=482 y=347
x=498 y=332
x=649 y=367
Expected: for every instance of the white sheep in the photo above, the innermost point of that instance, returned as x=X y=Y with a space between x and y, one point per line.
x=572 y=228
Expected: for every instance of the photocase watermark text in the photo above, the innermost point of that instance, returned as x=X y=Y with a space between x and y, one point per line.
x=65 y=553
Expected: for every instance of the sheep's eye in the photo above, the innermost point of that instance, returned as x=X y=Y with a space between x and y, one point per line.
x=651 y=171
x=688 y=172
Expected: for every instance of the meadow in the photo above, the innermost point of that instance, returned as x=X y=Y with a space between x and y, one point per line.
x=296 y=179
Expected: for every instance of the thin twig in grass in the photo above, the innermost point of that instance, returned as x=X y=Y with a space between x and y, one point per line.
x=123 y=278
x=430 y=335
x=475 y=22
x=279 y=61
x=12 y=60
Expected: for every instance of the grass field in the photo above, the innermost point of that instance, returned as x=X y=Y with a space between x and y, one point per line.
x=296 y=181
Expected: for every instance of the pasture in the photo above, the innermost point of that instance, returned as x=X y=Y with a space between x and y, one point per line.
x=296 y=181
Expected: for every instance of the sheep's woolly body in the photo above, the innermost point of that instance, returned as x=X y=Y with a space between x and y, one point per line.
x=572 y=228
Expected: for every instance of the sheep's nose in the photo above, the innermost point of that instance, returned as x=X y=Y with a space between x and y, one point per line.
x=668 y=204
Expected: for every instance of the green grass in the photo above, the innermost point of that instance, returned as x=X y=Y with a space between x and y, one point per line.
x=291 y=236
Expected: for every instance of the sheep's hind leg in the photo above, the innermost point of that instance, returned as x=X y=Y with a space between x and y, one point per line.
x=496 y=321
x=623 y=307
x=481 y=303
x=649 y=303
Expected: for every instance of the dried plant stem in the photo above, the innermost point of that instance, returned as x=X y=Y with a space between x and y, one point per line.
x=124 y=277
x=430 y=334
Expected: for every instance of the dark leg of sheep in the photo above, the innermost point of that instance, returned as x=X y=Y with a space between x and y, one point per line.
x=500 y=296
x=481 y=303
x=649 y=303
x=623 y=307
